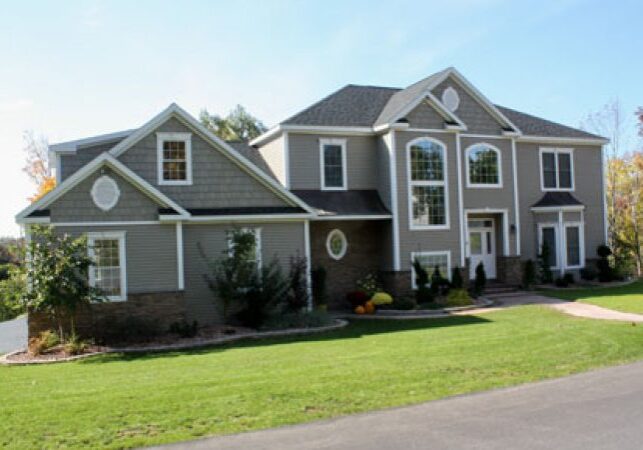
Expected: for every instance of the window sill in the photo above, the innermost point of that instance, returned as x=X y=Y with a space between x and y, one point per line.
x=484 y=186
x=334 y=189
x=175 y=183
x=429 y=227
x=557 y=189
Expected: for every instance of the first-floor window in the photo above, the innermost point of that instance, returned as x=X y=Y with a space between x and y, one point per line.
x=573 y=244
x=430 y=260
x=108 y=272
x=247 y=241
x=548 y=241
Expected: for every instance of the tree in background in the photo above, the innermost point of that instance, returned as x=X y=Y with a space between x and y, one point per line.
x=238 y=125
x=37 y=163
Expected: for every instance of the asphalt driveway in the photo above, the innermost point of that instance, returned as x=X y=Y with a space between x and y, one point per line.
x=594 y=410
x=13 y=335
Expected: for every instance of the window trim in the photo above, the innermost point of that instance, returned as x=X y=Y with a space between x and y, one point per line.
x=344 y=245
x=322 y=173
x=471 y=185
x=430 y=253
x=122 y=259
x=162 y=137
x=257 y=233
x=556 y=151
x=581 y=244
x=444 y=183
x=553 y=225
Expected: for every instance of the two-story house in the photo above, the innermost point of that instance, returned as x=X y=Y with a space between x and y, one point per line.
x=365 y=180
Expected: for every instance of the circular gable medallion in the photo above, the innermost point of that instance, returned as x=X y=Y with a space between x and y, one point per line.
x=105 y=193
x=450 y=99
x=336 y=244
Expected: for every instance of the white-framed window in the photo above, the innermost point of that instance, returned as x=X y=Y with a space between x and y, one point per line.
x=429 y=261
x=332 y=162
x=254 y=255
x=556 y=169
x=336 y=244
x=548 y=235
x=174 y=158
x=428 y=196
x=574 y=245
x=483 y=166
x=105 y=193
x=108 y=273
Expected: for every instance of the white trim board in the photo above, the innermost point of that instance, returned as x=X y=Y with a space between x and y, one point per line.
x=355 y=217
x=71 y=147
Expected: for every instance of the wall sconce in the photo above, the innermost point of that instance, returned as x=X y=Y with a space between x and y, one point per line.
x=512 y=228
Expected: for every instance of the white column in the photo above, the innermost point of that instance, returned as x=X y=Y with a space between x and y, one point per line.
x=461 y=215
x=516 y=201
x=394 y=198
x=179 y=256
x=561 y=243
x=309 y=279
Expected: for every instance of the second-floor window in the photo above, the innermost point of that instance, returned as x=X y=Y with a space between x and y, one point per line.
x=332 y=159
x=427 y=172
x=174 y=153
x=483 y=166
x=556 y=169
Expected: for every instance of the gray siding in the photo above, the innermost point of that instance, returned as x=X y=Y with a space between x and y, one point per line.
x=383 y=169
x=217 y=181
x=77 y=205
x=493 y=198
x=281 y=240
x=424 y=116
x=427 y=240
x=361 y=161
x=588 y=189
x=273 y=154
x=476 y=118
x=69 y=164
x=151 y=256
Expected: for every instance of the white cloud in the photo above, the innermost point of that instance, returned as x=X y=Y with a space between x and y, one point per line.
x=14 y=106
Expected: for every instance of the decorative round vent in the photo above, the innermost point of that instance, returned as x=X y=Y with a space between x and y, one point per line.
x=450 y=99
x=105 y=193
x=336 y=244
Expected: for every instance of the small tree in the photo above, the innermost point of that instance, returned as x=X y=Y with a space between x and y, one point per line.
x=456 y=278
x=57 y=272
x=298 y=286
x=480 y=280
x=605 y=271
x=319 y=286
x=543 y=263
x=423 y=293
x=529 y=274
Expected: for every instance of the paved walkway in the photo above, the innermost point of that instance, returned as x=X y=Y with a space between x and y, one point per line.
x=13 y=335
x=572 y=308
x=594 y=410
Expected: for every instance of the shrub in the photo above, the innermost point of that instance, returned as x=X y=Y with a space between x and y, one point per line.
x=588 y=273
x=424 y=295
x=302 y=319
x=480 y=280
x=381 y=298
x=357 y=298
x=456 y=278
x=75 y=345
x=185 y=329
x=266 y=296
x=421 y=275
x=45 y=341
x=297 y=297
x=605 y=271
x=319 y=286
x=4 y=271
x=12 y=293
x=561 y=282
x=126 y=330
x=458 y=297
x=529 y=274
x=543 y=262
x=603 y=251
x=402 y=303
x=569 y=278
x=369 y=284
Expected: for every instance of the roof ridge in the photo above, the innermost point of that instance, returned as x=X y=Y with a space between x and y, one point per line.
x=373 y=86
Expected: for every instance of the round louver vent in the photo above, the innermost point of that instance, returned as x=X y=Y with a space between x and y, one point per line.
x=450 y=99
x=105 y=193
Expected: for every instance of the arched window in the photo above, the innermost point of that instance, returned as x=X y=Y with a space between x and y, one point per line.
x=484 y=166
x=427 y=172
x=336 y=244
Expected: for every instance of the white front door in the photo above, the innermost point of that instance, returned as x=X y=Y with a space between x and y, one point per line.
x=482 y=246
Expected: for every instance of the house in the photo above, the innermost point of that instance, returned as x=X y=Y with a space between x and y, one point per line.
x=367 y=179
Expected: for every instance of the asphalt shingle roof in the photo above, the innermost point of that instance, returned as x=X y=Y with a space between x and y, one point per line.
x=344 y=203
x=557 y=199
x=367 y=106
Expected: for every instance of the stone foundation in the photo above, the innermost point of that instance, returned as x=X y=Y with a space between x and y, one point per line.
x=398 y=284
x=163 y=308
x=509 y=270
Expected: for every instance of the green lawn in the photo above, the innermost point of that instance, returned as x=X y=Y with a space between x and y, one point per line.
x=117 y=401
x=625 y=298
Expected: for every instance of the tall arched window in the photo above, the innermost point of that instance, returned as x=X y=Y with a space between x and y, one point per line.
x=427 y=174
x=484 y=166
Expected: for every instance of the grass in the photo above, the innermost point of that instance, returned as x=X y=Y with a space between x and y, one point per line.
x=118 y=401
x=627 y=298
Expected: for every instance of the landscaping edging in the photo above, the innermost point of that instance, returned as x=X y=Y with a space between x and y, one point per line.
x=339 y=323
x=396 y=314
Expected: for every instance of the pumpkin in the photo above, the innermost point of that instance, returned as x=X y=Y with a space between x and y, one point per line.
x=381 y=298
x=360 y=310
x=369 y=307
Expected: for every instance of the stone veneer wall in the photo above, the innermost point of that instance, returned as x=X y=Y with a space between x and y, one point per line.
x=509 y=270
x=162 y=307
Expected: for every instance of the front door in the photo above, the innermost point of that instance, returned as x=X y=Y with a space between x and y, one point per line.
x=482 y=246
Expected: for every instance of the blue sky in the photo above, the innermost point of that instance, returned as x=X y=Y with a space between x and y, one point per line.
x=76 y=68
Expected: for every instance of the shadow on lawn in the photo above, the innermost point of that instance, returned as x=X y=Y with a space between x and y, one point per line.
x=355 y=330
x=576 y=294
